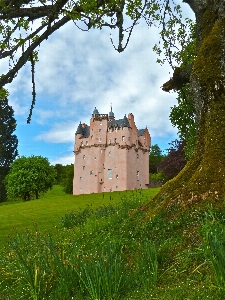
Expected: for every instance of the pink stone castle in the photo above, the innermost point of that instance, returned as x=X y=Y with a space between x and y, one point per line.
x=110 y=155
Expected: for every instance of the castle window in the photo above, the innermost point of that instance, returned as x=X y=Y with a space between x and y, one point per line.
x=100 y=122
x=116 y=187
x=110 y=153
x=109 y=141
x=101 y=151
x=83 y=167
x=100 y=130
x=109 y=173
x=95 y=158
x=128 y=138
x=84 y=156
x=92 y=137
x=80 y=178
x=91 y=172
x=82 y=144
x=138 y=175
x=123 y=138
x=117 y=176
x=100 y=139
x=115 y=140
x=86 y=143
x=137 y=155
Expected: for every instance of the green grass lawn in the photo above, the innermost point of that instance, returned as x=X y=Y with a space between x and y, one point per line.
x=110 y=251
x=45 y=213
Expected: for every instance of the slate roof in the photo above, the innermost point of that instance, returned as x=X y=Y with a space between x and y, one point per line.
x=84 y=131
x=121 y=122
x=95 y=111
x=141 y=132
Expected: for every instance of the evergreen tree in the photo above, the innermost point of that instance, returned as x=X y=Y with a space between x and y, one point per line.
x=8 y=140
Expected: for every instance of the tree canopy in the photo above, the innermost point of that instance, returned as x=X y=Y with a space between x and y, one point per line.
x=8 y=141
x=28 y=177
x=25 y=24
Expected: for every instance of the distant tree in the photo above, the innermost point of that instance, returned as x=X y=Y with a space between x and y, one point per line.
x=60 y=173
x=8 y=140
x=175 y=161
x=29 y=176
x=67 y=182
x=155 y=157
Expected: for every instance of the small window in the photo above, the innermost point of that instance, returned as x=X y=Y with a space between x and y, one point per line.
x=116 y=187
x=80 y=178
x=138 y=175
x=86 y=143
x=92 y=137
x=101 y=151
x=100 y=130
x=137 y=155
x=82 y=144
x=128 y=138
x=109 y=141
x=100 y=139
x=91 y=172
x=117 y=176
x=83 y=167
x=109 y=173
x=84 y=156
x=115 y=140
x=123 y=138
x=100 y=122
x=110 y=153
x=95 y=158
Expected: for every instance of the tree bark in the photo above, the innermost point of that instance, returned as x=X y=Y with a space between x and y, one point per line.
x=203 y=178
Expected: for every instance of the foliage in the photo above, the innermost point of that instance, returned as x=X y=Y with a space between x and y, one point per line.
x=8 y=140
x=175 y=160
x=183 y=117
x=29 y=176
x=122 y=254
x=66 y=266
x=60 y=173
x=155 y=157
x=158 y=176
x=214 y=245
x=67 y=181
x=64 y=177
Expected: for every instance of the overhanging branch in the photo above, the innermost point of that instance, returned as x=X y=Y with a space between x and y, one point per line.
x=181 y=76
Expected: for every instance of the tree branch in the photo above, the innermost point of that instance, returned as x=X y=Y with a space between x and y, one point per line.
x=7 y=78
x=181 y=76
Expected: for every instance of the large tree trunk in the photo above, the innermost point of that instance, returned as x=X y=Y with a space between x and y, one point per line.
x=203 y=178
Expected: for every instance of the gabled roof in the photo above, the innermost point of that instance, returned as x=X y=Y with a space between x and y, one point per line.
x=121 y=122
x=84 y=131
x=141 y=132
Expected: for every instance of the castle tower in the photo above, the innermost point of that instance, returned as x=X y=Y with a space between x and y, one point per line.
x=110 y=155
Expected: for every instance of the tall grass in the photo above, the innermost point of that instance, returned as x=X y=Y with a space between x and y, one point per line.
x=213 y=237
x=96 y=260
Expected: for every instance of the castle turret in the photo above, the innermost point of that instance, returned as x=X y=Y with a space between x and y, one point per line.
x=111 y=115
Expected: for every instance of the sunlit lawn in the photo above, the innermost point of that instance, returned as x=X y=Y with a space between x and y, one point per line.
x=45 y=213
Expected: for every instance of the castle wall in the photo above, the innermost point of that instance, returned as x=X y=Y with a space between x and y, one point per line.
x=110 y=158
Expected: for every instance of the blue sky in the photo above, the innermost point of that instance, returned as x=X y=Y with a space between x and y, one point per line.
x=79 y=70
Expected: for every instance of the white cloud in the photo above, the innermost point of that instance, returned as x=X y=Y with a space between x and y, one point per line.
x=64 y=160
x=80 y=70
